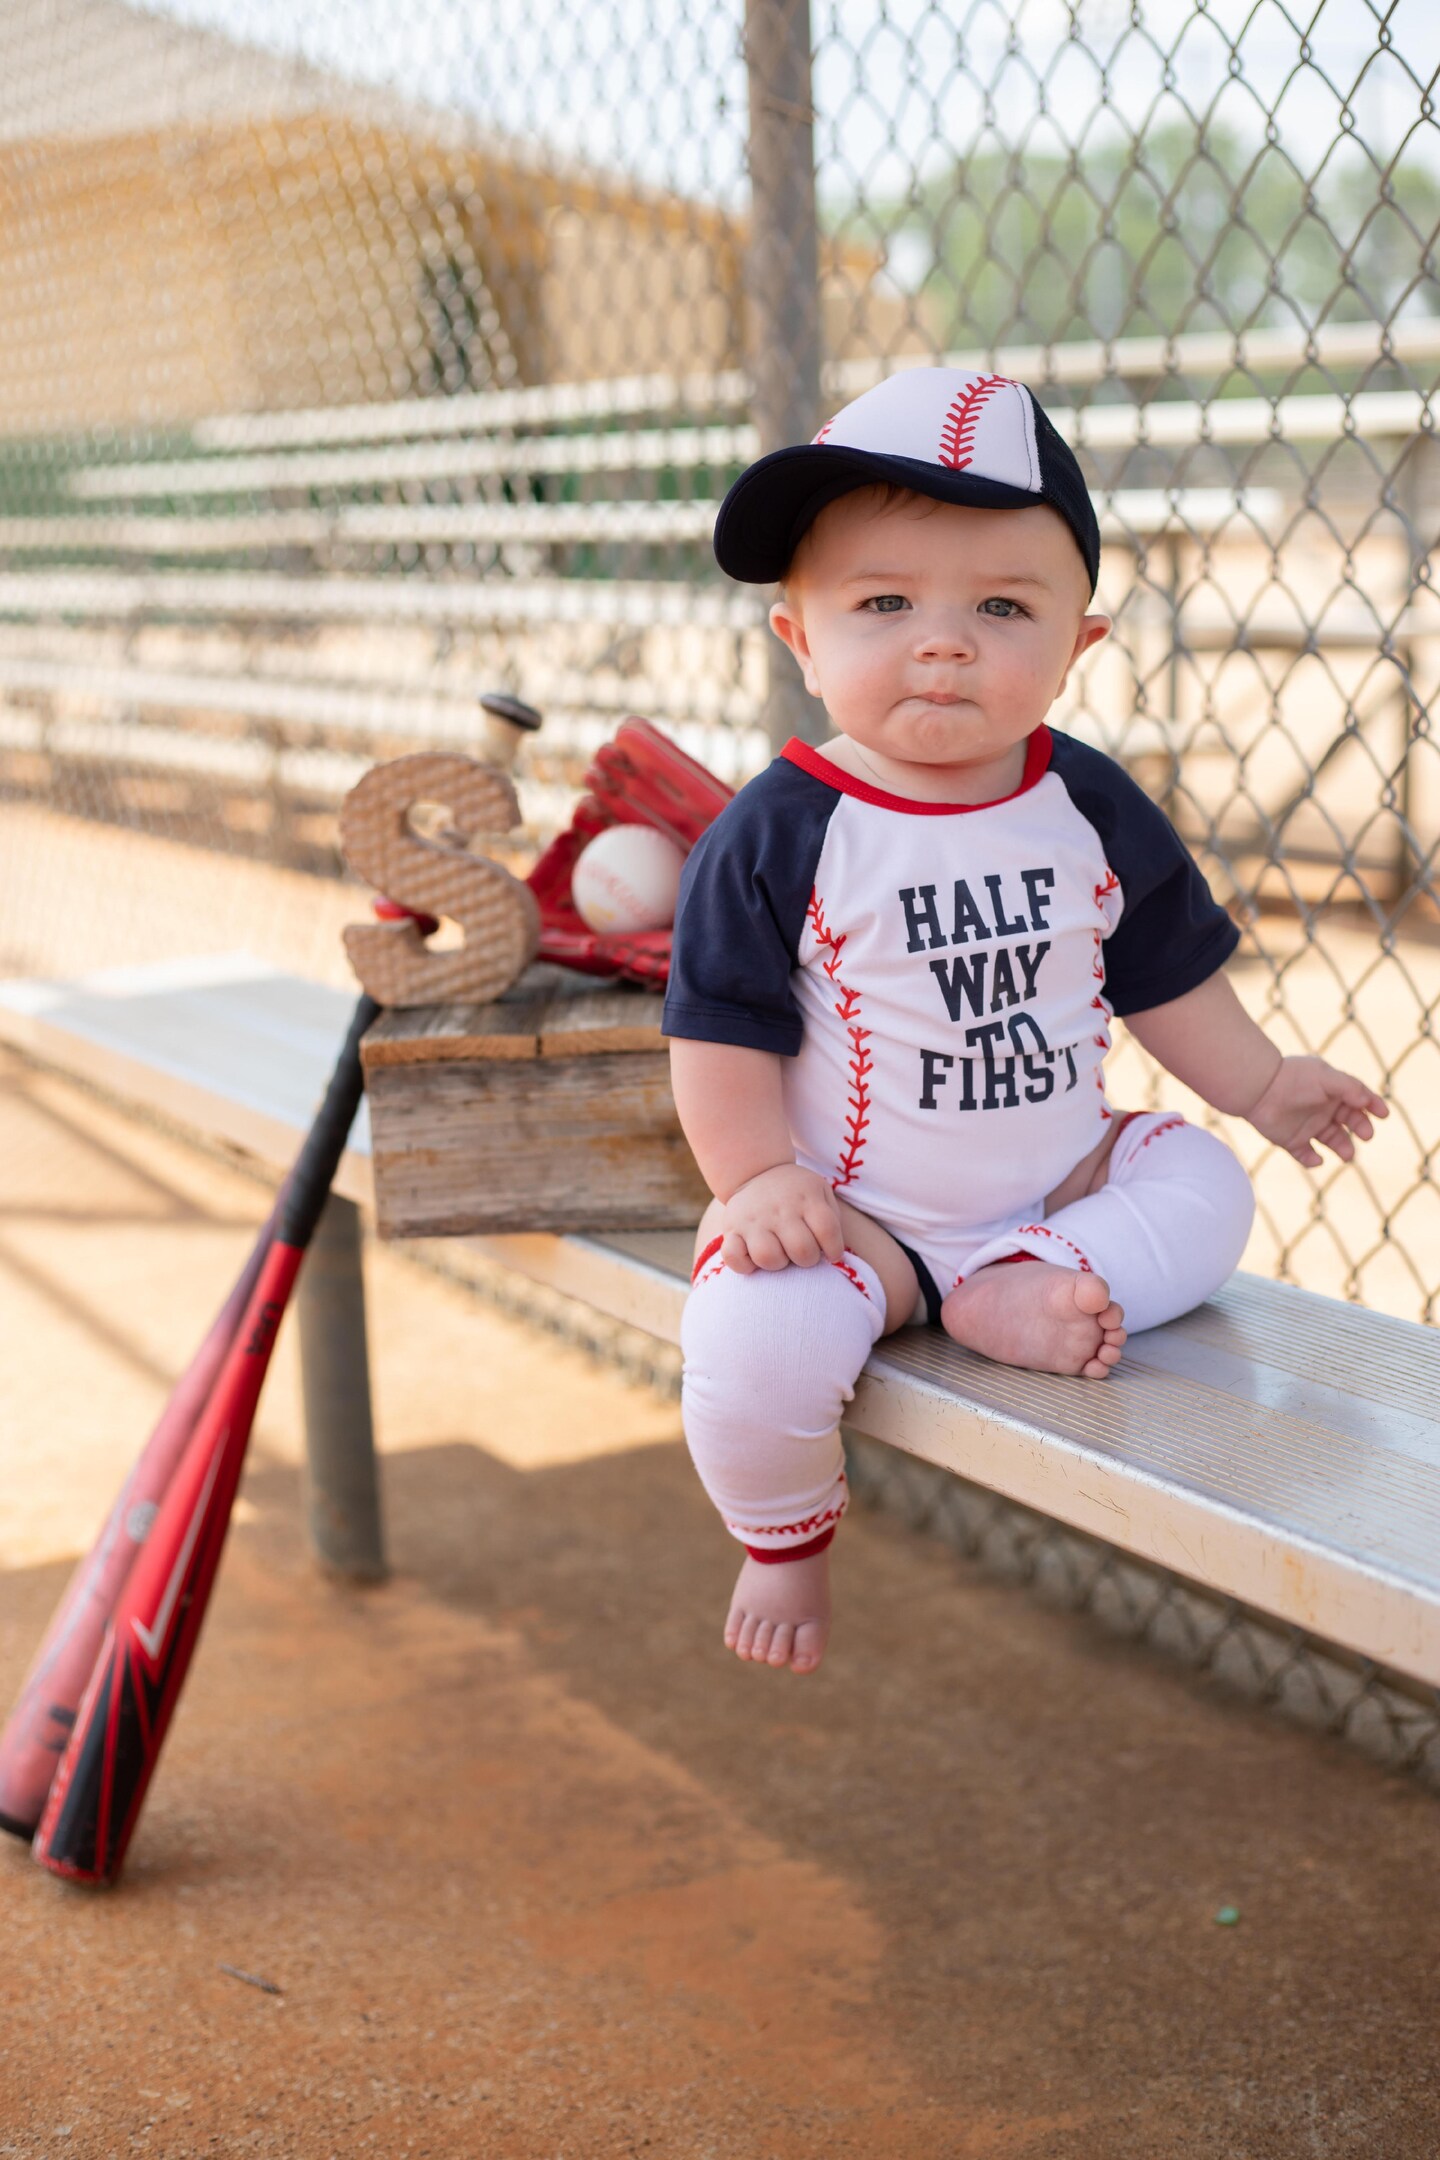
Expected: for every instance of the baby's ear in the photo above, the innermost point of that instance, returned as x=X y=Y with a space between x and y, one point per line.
x=789 y=626
x=1092 y=629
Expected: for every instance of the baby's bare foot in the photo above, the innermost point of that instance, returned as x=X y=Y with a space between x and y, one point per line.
x=780 y=1613
x=1048 y=1319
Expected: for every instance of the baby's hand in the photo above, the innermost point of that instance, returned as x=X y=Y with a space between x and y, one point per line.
x=1310 y=1101
x=784 y=1217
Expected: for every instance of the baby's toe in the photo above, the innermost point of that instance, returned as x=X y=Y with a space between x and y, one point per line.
x=1091 y=1293
x=760 y=1640
x=734 y=1622
x=810 y=1639
x=782 y=1643
x=1112 y=1319
x=1108 y=1354
x=1092 y=1369
x=746 y=1636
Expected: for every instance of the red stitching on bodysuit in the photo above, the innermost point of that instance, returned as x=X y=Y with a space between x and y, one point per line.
x=1108 y=884
x=858 y=1099
x=847 y=1007
x=1102 y=1042
x=957 y=435
x=823 y=432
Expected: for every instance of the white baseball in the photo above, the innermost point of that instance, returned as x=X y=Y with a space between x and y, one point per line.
x=627 y=879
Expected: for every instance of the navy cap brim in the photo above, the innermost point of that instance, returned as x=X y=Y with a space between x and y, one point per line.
x=775 y=501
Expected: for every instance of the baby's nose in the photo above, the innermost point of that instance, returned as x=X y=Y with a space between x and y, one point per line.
x=950 y=638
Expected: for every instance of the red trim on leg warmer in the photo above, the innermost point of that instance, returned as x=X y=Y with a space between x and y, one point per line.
x=769 y=1557
x=1005 y=1260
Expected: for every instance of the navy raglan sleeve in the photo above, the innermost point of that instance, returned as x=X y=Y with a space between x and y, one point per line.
x=1173 y=935
x=741 y=910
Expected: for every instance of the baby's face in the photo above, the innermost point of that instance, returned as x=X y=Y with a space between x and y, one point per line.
x=936 y=634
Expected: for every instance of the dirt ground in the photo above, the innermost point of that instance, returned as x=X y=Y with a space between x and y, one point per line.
x=540 y=1872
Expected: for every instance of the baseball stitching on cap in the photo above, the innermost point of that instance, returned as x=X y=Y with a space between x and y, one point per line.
x=957 y=436
x=945 y=432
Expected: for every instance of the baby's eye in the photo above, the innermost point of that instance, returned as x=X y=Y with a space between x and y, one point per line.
x=1002 y=610
x=886 y=603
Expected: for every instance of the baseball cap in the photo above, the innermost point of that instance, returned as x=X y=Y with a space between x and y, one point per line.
x=960 y=436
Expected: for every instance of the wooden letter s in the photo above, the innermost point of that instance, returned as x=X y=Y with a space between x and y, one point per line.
x=497 y=912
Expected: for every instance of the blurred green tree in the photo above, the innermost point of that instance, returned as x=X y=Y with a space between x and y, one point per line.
x=1181 y=228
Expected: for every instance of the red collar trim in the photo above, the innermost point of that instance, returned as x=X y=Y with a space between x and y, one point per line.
x=1037 y=762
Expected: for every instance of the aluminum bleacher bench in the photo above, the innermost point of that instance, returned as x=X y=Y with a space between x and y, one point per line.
x=1273 y=1446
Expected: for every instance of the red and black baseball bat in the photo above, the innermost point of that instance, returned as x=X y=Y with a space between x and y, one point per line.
x=43 y=1718
x=111 y=1754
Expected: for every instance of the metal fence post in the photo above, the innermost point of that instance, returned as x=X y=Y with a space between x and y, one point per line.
x=342 y=1497
x=782 y=280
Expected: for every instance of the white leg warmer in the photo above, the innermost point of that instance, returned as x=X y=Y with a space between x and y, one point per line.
x=1165 y=1230
x=771 y=1359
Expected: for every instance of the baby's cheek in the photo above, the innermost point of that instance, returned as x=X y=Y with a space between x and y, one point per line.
x=852 y=693
x=1037 y=680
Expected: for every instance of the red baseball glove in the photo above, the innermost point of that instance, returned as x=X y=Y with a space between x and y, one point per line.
x=640 y=777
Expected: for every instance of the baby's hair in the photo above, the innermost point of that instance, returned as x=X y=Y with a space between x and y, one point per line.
x=887 y=494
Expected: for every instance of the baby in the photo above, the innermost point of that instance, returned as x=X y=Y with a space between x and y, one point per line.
x=896 y=962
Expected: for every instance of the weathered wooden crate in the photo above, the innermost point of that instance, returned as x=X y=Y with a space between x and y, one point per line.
x=549 y=1109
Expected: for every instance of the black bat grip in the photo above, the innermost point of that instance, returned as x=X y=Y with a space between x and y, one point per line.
x=309 y=1183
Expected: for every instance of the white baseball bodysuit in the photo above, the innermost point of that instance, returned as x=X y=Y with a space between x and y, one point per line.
x=939 y=980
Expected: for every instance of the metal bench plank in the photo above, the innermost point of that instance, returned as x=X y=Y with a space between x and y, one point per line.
x=1302 y=1519
x=236 y=1048
x=1276 y=1446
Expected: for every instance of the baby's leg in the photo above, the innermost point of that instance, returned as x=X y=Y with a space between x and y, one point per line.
x=1055 y=1317
x=770 y=1361
x=1169 y=1223
x=1164 y=1226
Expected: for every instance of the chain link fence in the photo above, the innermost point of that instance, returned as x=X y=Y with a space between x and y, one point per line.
x=355 y=360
